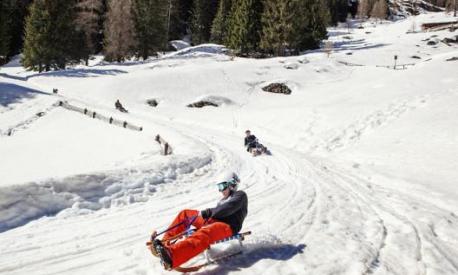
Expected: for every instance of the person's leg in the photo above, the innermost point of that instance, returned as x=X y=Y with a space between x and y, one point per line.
x=200 y=240
x=186 y=216
x=251 y=146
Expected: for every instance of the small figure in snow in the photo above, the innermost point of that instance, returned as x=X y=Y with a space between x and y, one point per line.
x=119 y=106
x=252 y=145
x=212 y=224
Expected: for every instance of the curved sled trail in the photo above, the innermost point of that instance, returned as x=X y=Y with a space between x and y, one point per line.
x=307 y=217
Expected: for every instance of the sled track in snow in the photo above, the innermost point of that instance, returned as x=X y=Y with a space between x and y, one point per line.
x=307 y=217
x=359 y=226
x=409 y=222
x=333 y=211
x=273 y=181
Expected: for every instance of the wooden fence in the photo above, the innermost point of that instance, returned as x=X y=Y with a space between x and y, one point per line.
x=166 y=149
x=95 y=115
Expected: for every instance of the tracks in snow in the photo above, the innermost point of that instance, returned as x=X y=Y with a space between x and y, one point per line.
x=307 y=216
x=348 y=224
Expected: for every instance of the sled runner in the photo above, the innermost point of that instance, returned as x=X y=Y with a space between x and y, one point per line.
x=208 y=261
x=259 y=150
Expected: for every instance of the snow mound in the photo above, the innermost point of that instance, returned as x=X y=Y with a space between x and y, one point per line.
x=179 y=44
x=213 y=99
x=199 y=51
x=84 y=193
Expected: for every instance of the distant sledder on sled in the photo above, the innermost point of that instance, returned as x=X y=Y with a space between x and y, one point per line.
x=119 y=107
x=253 y=146
x=192 y=231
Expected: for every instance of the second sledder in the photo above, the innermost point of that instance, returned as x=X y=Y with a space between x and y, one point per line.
x=211 y=225
x=253 y=146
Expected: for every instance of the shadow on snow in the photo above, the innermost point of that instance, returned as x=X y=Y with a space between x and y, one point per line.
x=353 y=45
x=254 y=253
x=12 y=93
x=80 y=73
x=68 y=73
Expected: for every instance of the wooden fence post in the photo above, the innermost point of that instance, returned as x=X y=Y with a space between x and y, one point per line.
x=166 y=149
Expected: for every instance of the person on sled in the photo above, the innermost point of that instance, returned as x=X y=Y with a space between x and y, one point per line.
x=119 y=106
x=250 y=141
x=252 y=145
x=212 y=224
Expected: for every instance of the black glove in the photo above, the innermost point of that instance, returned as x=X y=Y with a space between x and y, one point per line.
x=207 y=213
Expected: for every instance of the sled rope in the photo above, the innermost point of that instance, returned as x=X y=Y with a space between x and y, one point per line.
x=188 y=225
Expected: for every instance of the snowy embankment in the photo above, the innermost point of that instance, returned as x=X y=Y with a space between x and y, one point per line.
x=362 y=179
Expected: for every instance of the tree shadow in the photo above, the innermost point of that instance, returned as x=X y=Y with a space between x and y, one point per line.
x=12 y=93
x=79 y=73
x=354 y=45
x=254 y=253
x=332 y=33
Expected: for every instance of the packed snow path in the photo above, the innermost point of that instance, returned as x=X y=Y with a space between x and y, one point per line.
x=307 y=217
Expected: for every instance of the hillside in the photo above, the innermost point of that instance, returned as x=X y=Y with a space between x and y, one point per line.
x=361 y=180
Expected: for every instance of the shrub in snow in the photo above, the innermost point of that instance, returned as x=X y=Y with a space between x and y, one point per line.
x=450 y=40
x=210 y=100
x=291 y=66
x=202 y=103
x=278 y=88
x=431 y=43
x=303 y=61
x=453 y=59
x=152 y=102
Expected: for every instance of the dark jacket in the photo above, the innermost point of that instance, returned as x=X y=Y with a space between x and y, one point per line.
x=251 y=139
x=232 y=210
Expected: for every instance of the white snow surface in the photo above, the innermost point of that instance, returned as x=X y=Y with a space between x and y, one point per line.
x=362 y=178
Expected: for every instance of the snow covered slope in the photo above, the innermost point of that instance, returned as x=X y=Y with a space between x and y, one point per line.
x=362 y=177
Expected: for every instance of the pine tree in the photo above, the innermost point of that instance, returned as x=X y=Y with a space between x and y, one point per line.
x=244 y=28
x=451 y=5
x=150 y=24
x=203 y=13
x=338 y=10
x=51 y=41
x=120 y=35
x=309 y=25
x=6 y=11
x=277 y=27
x=88 y=22
x=363 y=9
x=180 y=18
x=219 y=26
x=380 y=9
x=12 y=14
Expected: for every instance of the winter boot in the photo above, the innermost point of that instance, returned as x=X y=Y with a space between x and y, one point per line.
x=163 y=253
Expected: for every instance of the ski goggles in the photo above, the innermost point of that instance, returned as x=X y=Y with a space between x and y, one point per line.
x=225 y=184
x=222 y=186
